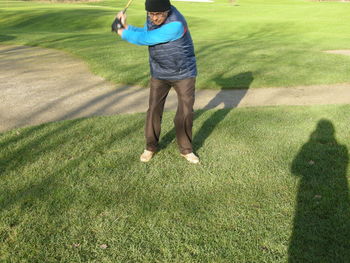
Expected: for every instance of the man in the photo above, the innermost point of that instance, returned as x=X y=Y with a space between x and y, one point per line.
x=173 y=64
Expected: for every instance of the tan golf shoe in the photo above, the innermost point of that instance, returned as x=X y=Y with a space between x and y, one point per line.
x=146 y=156
x=191 y=157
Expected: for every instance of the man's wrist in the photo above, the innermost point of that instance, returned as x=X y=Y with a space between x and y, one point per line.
x=120 y=31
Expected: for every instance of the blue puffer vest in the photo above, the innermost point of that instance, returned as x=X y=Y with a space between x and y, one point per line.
x=174 y=60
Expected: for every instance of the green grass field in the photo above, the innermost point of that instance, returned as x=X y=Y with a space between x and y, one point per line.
x=272 y=187
x=253 y=44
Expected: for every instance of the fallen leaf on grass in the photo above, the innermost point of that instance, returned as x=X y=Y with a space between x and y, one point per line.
x=103 y=246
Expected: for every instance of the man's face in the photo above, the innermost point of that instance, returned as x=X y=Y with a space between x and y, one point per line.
x=158 y=18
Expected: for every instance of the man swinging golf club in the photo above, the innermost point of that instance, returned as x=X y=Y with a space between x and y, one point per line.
x=173 y=64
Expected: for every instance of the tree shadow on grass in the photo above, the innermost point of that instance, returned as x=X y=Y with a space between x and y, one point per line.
x=224 y=97
x=4 y=38
x=321 y=230
x=63 y=188
x=40 y=140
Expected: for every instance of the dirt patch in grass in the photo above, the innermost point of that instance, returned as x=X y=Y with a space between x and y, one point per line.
x=43 y=85
x=340 y=52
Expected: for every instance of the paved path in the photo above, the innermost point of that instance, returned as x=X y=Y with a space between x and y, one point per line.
x=41 y=85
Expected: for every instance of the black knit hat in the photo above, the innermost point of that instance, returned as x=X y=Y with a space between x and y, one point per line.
x=157 y=5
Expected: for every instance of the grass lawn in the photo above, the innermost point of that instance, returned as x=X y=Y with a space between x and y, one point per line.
x=253 y=44
x=272 y=187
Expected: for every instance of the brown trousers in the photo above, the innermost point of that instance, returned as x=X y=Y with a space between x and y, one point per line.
x=183 y=120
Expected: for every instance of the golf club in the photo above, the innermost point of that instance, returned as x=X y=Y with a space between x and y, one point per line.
x=117 y=23
x=127 y=5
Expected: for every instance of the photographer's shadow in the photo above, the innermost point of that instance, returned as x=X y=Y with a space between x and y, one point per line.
x=321 y=228
x=226 y=98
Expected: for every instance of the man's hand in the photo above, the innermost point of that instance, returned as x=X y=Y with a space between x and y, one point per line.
x=119 y=23
x=122 y=17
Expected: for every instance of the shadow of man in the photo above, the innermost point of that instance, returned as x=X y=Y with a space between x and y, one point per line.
x=226 y=97
x=321 y=230
x=242 y=80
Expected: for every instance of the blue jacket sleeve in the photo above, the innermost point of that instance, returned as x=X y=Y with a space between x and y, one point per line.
x=137 y=29
x=168 y=32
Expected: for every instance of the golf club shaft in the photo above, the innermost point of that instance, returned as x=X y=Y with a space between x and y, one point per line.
x=127 y=5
